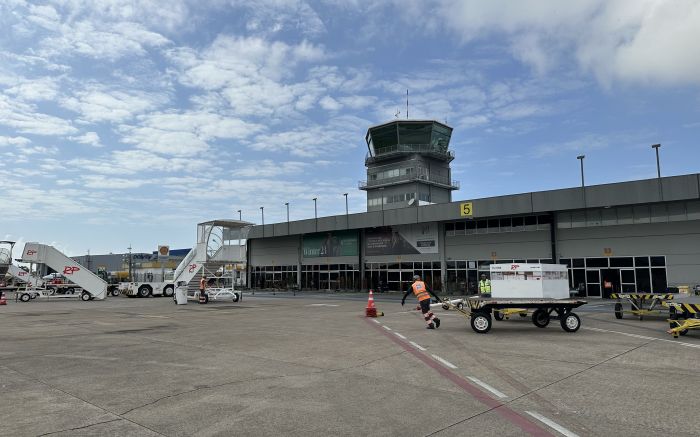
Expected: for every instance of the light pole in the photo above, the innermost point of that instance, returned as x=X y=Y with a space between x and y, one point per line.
x=315 y=213
x=658 y=170
x=347 y=225
x=130 y=262
x=262 y=213
x=583 y=182
x=287 y=205
x=240 y=216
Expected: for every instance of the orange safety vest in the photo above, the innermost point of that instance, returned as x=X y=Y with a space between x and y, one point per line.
x=202 y=284
x=420 y=291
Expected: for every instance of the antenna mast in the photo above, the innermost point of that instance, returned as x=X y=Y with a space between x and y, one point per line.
x=406 y=103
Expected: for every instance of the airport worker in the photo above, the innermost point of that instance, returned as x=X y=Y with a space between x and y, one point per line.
x=484 y=285
x=422 y=293
x=202 y=289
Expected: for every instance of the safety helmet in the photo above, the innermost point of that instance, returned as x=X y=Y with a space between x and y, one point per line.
x=416 y=277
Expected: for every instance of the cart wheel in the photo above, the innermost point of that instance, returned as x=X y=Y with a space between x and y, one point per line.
x=618 y=310
x=70 y=290
x=460 y=306
x=25 y=297
x=540 y=318
x=683 y=332
x=169 y=291
x=571 y=322
x=445 y=306
x=236 y=297
x=497 y=315
x=481 y=323
x=51 y=291
x=85 y=296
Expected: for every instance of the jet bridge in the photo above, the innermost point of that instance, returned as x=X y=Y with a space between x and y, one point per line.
x=38 y=253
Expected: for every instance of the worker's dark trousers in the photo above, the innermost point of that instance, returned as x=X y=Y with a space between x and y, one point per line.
x=425 y=309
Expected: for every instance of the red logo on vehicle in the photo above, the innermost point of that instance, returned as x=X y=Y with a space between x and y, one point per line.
x=69 y=270
x=514 y=266
x=31 y=252
x=22 y=273
x=192 y=267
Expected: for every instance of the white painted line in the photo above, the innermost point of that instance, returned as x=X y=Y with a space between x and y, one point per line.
x=322 y=305
x=417 y=346
x=487 y=387
x=399 y=335
x=386 y=327
x=445 y=362
x=560 y=429
x=81 y=357
x=644 y=337
x=377 y=321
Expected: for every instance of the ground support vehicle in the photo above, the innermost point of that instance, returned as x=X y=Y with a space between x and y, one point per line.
x=642 y=304
x=93 y=287
x=155 y=288
x=218 y=294
x=480 y=309
x=26 y=294
x=683 y=317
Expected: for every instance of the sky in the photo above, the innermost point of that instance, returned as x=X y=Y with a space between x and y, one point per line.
x=128 y=122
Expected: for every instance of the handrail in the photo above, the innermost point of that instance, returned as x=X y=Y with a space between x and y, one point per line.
x=407 y=178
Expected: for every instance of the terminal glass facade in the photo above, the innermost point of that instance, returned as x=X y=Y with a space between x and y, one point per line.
x=397 y=276
x=331 y=277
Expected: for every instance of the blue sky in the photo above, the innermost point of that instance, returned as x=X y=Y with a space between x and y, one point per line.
x=128 y=122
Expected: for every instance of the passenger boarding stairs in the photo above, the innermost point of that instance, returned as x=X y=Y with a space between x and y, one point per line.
x=25 y=277
x=74 y=272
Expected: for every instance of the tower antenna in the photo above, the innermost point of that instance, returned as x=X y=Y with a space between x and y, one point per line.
x=406 y=103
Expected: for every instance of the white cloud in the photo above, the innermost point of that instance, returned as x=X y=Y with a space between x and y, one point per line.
x=641 y=41
x=89 y=138
x=110 y=183
x=45 y=88
x=268 y=17
x=98 y=104
x=330 y=104
x=26 y=119
x=270 y=169
x=13 y=141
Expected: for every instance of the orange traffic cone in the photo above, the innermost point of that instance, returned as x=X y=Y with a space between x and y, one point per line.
x=371 y=310
x=3 y=299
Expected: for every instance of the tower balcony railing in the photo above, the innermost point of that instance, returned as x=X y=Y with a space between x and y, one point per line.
x=440 y=181
x=396 y=149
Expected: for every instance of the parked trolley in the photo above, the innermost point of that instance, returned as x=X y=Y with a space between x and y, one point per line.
x=642 y=304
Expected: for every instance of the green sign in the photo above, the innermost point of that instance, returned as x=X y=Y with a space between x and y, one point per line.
x=327 y=244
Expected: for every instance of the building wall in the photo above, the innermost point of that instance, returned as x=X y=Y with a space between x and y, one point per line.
x=514 y=245
x=678 y=241
x=274 y=251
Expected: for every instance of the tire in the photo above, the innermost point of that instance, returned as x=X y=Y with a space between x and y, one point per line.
x=70 y=290
x=51 y=291
x=481 y=323
x=618 y=310
x=85 y=296
x=571 y=322
x=540 y=318
x=236 y=297
x=25 y=297
x=460 y=306
x=115 y=292
x=169 y=291
x=497 y=315
x=144 y=291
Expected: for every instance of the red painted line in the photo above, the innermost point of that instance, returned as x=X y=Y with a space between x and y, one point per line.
x=513 y=417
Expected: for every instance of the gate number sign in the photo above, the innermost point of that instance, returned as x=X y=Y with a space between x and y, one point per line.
x=465 y=209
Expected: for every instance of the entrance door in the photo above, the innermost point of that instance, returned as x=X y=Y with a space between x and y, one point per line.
x=593 y=283
x=610 y=281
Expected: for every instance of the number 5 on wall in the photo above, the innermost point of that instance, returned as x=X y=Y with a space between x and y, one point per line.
x=465 y=209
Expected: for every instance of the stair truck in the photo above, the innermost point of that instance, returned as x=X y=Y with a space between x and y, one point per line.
x=93 y=287
x=220 y=243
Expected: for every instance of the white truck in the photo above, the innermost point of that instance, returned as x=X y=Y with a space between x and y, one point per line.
x=151 y=284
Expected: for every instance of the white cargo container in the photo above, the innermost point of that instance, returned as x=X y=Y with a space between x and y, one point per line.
x=539 y=281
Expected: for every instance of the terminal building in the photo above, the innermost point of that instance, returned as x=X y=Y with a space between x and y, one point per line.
x=631 y=236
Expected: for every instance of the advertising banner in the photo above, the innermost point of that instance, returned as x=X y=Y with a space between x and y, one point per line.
x=327 y=244
x=402 y=240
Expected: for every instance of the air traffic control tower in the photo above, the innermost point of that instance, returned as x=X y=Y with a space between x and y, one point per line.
x=408 y=164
